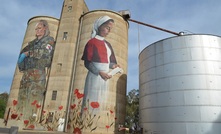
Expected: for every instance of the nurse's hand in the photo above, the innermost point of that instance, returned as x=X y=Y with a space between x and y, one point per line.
x=115 y=65
x=104 y=75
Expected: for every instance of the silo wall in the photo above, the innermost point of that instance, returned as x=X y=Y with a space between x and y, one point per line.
x=29 y=36
x=106 y=120
x=180 y=88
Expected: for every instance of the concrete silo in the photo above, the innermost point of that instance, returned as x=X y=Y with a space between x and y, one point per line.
x=67 y=74
x=29 y=35
x=118 y=37
x=180 y=85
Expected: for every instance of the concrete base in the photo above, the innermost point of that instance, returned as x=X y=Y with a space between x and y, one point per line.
x=12 y=130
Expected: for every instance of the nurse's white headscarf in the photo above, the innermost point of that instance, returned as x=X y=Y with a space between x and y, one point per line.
x=98 y=23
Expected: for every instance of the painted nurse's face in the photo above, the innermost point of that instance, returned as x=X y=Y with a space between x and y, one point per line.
x=105 y=28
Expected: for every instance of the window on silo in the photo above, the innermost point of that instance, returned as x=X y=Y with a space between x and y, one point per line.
x=50 y=116
x=59 y=66
x=69 y=8
x=54 y=95
x=65 y=36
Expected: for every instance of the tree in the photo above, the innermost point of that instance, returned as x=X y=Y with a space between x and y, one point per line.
x=132 y=108
x=3 y=102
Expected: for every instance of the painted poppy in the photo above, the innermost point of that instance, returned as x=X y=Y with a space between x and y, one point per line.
x=76 y=91
x=73 y=106
x=15 y=102
x=34 y=102
x=14 y=116
x=38 y=105
x=77 y=130
x=26 y=122
x=79 y=95
x=95 y=104
x=31 y=126
x=111 y=111
x=60 y=107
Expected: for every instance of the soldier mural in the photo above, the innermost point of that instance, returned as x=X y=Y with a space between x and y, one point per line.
x=33 y=61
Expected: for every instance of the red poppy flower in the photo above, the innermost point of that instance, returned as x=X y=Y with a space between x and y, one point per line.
x=76 y=91
x=95 y=104
x=14 y=116
x=85 y=109
x=77 y=130
x=60 y=107
x=34 y=102
x=15 y=102
x=107 y=126
x=79 y=95
x=38 y=105
x=26 y=122
x=73 y=106
x=111 y=111
x=31 y=126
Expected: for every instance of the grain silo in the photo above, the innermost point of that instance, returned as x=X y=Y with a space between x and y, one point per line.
x=180 y=85
x=60 y=108
x=114 y=113
x=29 y=35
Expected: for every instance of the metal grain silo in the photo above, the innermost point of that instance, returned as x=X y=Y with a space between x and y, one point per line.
x=180 y=85
x=118 y=37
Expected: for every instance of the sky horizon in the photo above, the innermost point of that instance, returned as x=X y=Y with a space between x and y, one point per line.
x=191 y=17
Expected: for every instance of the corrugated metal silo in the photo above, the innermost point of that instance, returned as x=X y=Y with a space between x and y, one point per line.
x=180 y=88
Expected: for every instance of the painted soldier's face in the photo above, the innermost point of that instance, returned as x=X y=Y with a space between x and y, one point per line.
x=40 y=30
x=105 y=28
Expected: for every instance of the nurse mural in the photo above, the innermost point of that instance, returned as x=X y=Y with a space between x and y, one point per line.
x=99 y=58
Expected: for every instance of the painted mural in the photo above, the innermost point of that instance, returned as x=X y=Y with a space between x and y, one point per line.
x=92 y=109
x=98 y=58
x=34 y=61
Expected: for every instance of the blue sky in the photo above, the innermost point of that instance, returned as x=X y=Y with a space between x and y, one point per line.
x=190 y=16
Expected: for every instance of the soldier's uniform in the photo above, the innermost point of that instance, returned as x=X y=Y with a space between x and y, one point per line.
x=32 y=87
